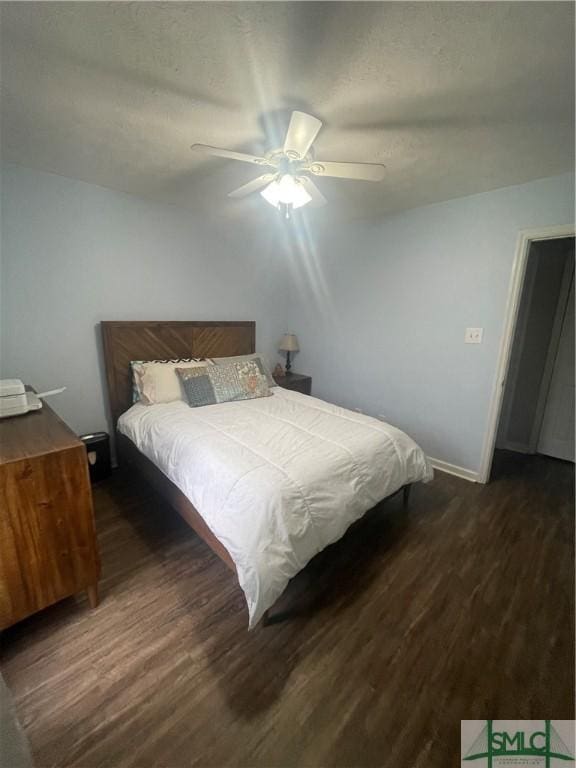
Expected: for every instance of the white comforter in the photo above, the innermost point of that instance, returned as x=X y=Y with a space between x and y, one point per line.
x=276 y=479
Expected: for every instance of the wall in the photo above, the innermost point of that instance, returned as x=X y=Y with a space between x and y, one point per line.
x=380 y=310
x=74 y=254
x=545 y=267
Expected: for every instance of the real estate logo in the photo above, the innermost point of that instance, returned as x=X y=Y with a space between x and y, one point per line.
x=517 y=743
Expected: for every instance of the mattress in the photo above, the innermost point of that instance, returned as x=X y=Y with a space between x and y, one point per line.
x=276 y=479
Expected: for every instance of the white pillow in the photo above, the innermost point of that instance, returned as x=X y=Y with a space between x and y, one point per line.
x=156 y=381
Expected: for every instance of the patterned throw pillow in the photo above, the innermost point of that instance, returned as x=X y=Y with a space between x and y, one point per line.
x=258 y=359
x=223 y=383
x=155 y=381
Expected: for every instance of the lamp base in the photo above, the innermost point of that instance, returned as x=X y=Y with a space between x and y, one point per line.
x=288 y=364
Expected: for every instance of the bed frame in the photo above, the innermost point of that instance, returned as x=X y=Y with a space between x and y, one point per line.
x=125 y=341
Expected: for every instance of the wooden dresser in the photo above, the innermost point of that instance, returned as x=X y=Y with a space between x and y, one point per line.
x=47 y=538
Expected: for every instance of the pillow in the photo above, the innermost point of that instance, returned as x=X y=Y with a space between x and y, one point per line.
x=156 y=381
x=258 y=359
x=223 y=383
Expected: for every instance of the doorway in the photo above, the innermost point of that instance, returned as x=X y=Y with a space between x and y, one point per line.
x=537 y=413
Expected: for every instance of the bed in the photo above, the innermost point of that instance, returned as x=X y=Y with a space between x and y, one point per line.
x=267 y=483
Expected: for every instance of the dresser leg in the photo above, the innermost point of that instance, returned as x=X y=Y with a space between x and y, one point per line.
x=92 y=592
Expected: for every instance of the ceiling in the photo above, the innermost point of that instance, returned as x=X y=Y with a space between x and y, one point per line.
x=454 y=98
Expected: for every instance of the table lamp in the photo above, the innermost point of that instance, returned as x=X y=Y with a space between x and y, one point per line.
x=288 y=344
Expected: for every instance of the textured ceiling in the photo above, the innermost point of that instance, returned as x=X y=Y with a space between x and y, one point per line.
x=454 y=98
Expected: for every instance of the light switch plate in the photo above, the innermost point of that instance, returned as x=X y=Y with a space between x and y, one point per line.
x=473 y=335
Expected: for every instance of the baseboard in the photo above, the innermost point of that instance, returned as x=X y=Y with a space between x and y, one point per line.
x=453 y=469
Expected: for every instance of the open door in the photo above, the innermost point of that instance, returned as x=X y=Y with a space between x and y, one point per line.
x=557 y=432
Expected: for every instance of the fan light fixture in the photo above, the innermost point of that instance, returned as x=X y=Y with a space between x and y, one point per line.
x=289 y=170
x=287 y=191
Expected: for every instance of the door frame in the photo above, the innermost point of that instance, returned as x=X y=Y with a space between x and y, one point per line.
x=525 y=238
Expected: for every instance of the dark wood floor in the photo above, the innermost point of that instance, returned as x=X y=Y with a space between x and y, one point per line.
x=462 y=608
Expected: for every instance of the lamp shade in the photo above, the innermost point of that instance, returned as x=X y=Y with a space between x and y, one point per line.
x=289 y=343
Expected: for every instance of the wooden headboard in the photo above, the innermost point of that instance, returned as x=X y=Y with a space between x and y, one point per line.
x=157 y=340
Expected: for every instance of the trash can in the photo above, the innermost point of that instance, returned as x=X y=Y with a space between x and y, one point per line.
x=98 y=450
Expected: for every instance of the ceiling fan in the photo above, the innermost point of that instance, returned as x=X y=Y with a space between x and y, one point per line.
x=288 y=185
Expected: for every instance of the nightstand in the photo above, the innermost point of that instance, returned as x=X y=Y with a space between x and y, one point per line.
x=297 y=382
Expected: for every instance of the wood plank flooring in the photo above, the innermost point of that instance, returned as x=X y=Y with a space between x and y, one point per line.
x=460 y=608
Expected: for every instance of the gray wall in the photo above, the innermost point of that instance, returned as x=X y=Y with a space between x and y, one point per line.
x=74 y=254
x=542 y=285
x=380 y=310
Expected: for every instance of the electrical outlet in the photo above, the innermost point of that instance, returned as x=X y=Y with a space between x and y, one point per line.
x=473 y=335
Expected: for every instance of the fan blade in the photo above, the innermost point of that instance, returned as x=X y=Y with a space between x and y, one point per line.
x=302 y=131
x=318 y=198
x=252 y=186
x=229 y=154
x=359 y=171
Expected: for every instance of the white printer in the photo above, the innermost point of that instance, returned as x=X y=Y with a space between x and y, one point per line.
x=15 y=400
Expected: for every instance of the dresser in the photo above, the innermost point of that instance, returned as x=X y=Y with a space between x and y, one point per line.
x=297 y=382
x=48 y=545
